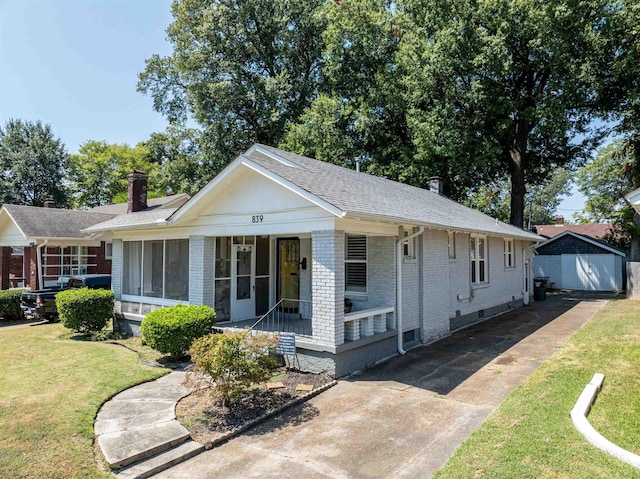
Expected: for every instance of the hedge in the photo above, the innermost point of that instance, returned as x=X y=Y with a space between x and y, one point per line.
x=10 y=304
x=172 y=330
x=85 y=310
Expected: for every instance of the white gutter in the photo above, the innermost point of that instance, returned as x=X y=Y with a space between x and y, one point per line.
x=39 y=259
x=399 y=256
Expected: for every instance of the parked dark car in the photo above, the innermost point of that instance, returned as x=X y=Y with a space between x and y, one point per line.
x=41 y=304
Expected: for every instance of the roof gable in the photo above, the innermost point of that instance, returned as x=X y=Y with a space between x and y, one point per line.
x=562 y=239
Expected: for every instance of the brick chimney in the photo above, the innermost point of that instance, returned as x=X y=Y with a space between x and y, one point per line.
x=436 y=185
x=137 y=198
x=49 y=203
x=559 y=220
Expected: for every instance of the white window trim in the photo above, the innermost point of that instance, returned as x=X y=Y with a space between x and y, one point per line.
x=451 y=244
x=509 y=255
x=106 y=255
x=359 y=294
x=475 y=263
x=410 y=251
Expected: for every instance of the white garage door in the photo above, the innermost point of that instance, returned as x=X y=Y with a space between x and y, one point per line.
x=589 y=272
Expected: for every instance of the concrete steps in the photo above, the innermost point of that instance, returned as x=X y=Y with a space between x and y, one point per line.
x=164 y=460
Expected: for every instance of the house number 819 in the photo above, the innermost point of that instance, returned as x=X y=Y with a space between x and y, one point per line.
x=257 y=219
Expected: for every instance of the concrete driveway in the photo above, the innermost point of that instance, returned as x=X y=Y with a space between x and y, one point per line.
x=406 y=417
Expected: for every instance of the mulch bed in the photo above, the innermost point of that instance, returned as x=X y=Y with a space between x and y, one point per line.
x=207 y=420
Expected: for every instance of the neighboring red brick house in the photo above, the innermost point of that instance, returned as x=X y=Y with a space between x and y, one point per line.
x=52 y=242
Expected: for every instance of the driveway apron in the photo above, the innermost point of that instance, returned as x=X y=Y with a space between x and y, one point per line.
x=406 y=417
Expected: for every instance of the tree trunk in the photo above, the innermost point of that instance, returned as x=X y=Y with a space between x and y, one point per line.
x=518 y=188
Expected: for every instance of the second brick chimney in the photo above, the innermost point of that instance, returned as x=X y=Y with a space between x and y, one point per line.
x=559 y=220
x=137 y=198
x=436 y=184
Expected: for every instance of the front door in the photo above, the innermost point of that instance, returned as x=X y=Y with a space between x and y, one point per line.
x=243 y=285
x=289 y=270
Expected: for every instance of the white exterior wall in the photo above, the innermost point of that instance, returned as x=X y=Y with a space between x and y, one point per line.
x=116 y=269
x=411 y=295
x=328 y=286
x=381 y=275
x=436 y=288
x=305 y=274
x=460 y=276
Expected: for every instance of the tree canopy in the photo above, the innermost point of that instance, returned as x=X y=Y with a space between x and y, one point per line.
x=33 y=164
x=473 y=91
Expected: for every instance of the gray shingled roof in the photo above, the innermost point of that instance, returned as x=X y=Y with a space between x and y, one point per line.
x=36 y=222
x=121 y=208
x=360 y=194
x=147 y=217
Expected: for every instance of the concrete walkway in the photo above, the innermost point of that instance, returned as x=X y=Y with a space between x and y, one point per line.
x=405 y=418
x=138 y=432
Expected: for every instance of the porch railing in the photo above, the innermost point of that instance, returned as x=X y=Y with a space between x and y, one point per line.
x=287 y=316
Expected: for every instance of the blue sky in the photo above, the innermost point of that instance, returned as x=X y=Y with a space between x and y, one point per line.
x=74 y=64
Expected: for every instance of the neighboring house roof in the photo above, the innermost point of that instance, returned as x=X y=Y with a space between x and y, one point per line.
x=138 y=219
x=600 y=244
x=594 y=230
x=37 y=222
x=344 y=192
x=170 y=201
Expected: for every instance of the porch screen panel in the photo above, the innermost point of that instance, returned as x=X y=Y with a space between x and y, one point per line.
x=223 y=279
x=153 y=271
x=356 y=263
x=132 y=267
x=176 y=262
x=262 y=275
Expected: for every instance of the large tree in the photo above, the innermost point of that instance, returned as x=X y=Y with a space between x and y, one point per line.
x=499 y=86
x=33 y=163
x=242 y=69
x=98 y=173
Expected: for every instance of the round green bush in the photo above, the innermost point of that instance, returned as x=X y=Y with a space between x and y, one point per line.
x=10 y=304
x=85 y=310
x=172 y=330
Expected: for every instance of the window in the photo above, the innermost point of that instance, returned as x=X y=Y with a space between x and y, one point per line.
x=451 y=244
x=156 y=269
x=355 y=263
x=509 y=254
x=478 y=251
x=17 y=251
x=108 y=250
x=408 y=247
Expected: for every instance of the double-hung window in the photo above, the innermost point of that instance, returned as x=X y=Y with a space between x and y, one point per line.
x=478 y=250
x=509 y=261
x=451 y=244
x=355 y=263
x=408 y=247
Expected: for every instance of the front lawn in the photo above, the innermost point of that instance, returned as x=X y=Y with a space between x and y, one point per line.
x=531 y=434
x=51 y=387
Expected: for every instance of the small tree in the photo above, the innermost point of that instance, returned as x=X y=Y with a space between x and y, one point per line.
x=234 y=361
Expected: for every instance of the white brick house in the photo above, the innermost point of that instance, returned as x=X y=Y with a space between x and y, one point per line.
x=287 y=238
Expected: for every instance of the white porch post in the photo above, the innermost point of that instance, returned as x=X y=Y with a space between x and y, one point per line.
x=201 y=263
x=328 y=286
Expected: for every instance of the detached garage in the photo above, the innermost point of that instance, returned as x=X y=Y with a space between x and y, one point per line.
x=574 y=261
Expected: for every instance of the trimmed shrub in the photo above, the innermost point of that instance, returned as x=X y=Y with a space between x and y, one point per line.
x=234 y=361
x=172 y=330
x=85 y=310
x=10 y=304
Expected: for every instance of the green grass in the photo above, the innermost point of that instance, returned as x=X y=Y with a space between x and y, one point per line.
x=531 y=434
x=51 y=387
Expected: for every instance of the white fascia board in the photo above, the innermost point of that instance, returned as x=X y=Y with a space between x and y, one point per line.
x=325 y=205
x=204 y=191
x=270 y=154
x=14 y=222
x=634 y=199
x=583 y=238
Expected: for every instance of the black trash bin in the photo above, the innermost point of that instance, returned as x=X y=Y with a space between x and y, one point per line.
x=539 y=289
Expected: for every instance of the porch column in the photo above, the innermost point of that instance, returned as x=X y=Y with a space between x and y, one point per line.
x=116 y=268
x=201 y=263
x=328 y=286
x=5 y=266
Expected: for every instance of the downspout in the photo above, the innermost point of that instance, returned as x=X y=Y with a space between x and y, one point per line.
x=39 y=260
x=399 y=285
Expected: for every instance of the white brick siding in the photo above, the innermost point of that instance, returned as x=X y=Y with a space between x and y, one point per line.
x=435 y=255
x=305 y=274
x=201 y=274
x=116 y=269
x=328 y=286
